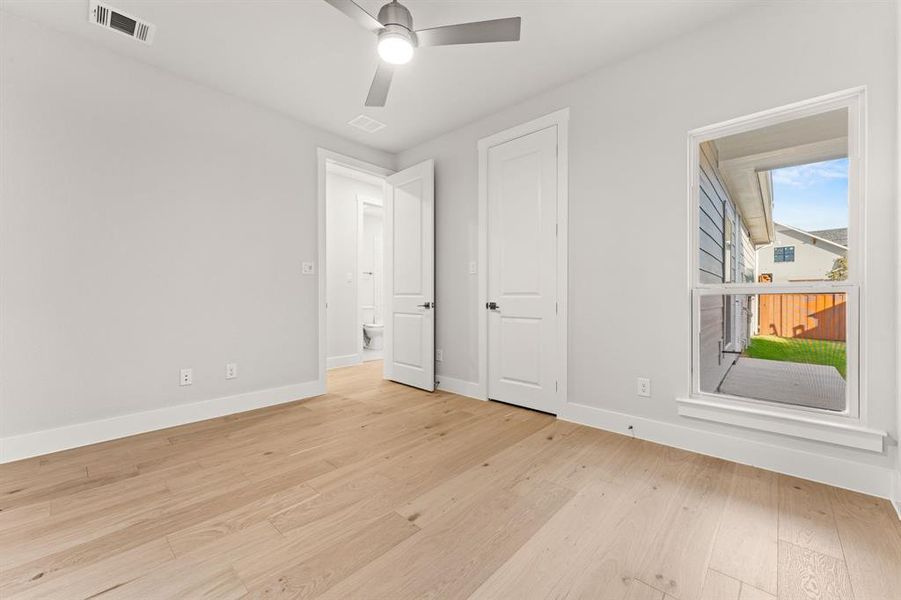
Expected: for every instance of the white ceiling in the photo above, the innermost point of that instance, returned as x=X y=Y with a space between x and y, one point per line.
x=306 y=59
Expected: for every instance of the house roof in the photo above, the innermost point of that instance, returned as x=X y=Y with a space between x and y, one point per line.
x=837 y=236
x=814 y=235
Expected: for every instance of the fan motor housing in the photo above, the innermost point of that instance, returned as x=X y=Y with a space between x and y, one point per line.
x=395 y=13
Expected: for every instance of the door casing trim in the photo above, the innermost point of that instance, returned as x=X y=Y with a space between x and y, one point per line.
x=560 y=120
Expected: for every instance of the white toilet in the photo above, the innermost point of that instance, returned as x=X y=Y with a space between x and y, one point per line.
x=372 y=335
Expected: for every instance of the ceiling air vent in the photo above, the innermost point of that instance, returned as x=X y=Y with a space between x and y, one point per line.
x=113 y=18
x=367 y=124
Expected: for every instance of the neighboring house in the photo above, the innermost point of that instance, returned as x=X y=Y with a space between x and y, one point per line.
x=797 y=255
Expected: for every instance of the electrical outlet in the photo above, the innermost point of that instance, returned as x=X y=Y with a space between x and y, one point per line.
x=644 y=387
x=307 y=268
x=231 y=370
x=186 y=377
x=439 y=355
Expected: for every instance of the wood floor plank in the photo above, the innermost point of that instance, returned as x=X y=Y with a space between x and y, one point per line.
x=24 y=515
x=638 y=590
x=584 y=552
x=752 y=593
x=808 y=575
x=678 y=556
x=720 y=587
x=468 y=544
x=377 y=490
x=205 y=572
x=320 y=566
x=806 y=518
x=114 y=570
x=746 y=546
x=214 y=529
x=871 y=541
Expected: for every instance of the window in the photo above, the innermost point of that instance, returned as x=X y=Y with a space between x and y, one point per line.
x=784 y=254
x=777 y=254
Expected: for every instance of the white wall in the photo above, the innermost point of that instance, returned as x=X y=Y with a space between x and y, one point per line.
x=148 y=224
x=628 y=298
x=342 y=221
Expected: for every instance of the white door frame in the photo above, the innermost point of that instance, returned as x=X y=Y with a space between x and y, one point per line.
x=560 y=119
x=323 y=157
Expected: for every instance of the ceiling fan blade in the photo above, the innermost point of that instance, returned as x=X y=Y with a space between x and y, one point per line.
x=352 y=10
x=378 y=91
x=479 y=32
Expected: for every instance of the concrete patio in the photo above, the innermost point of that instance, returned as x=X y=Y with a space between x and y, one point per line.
x=799 y=384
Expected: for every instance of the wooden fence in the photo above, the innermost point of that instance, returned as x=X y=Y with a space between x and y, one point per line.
x=808 y=316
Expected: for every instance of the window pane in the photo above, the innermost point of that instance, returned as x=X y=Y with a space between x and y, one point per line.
x=786 y=348
x=775 y=200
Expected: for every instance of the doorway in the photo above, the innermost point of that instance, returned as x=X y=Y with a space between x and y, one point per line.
x=522 y=259
x=353 y=267
x=351 y=317
x=370 y=277
x=376 y=278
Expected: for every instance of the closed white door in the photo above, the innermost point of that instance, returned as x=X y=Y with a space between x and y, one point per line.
x=522 y=274
x=409 y=235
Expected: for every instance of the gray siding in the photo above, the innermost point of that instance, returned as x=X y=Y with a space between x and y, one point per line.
x=725 y=323
x=713 y=200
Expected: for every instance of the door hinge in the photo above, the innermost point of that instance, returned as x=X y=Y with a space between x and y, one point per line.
x=556 y=386
x=556 y=308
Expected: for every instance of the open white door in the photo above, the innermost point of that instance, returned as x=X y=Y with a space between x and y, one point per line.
x=410 y=276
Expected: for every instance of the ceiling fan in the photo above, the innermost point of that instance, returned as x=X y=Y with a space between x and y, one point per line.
x=398 y=39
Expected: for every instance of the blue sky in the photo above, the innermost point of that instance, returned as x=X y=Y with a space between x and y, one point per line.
x=813 y=196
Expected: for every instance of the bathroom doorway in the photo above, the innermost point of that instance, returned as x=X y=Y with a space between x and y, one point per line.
x=354 y=270
x=371 y=277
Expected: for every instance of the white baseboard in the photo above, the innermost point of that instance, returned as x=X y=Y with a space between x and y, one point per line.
x=469 y=389
x=859 y=477
x=83 y=434
x=336 y=362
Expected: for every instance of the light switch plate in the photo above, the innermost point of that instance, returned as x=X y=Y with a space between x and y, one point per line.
x=307 y=268
x=472 y=267
x=439 y=355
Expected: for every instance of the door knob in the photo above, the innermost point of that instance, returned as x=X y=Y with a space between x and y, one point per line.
x=492 y=306
x=426 y=305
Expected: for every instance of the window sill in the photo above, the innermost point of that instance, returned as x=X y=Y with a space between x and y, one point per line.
x=852 y=435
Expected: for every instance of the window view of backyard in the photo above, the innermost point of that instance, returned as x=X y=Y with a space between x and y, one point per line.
x=768 y=218
x=794 y=352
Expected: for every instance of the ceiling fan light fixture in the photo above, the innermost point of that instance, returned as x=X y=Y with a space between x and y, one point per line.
x=395 y=47
x=398 y=39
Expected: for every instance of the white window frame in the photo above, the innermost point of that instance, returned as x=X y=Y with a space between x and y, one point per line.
x=849 y=427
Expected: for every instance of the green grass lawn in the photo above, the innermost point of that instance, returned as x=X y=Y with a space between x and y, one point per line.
x=816 y=352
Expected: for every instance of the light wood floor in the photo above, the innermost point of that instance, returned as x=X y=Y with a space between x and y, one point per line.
x=380 y=491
